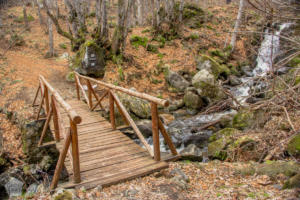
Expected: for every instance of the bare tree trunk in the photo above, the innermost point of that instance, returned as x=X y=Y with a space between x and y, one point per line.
x=121 y=31
x=25 y=16
x=50 y=30
x=56 y=8
x=104 y=29
x=181 y=6
x=237 y=24
x=139 y=12
x=41 y=19
x=155 y=13
x=98 y=13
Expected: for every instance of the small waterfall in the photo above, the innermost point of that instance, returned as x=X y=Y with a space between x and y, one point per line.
x=268 y=51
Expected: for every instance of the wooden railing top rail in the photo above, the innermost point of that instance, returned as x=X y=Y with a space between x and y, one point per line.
x=127 y=91
x=71 y=113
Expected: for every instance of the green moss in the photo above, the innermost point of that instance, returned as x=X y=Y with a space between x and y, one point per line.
x=217 y=148
x=20 y=19
x=70 y=77
x=278 y=167
x=137 y=41
x=294 y=62
x=222 y=54
x=162 y=41
x=17 y=40
x=243 y=119
x=146 y=30
x=26 y=170
x=63 y=45
x=64 y=196
x=293 y=182
x=121 y=74
x=297 y=80
x=226 y=132
x=191 y=11
x=217 y=69
x=152 y=48
x=293 y=147
x=2 y=162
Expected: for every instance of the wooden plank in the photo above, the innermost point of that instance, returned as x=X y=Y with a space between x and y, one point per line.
x=110 y=146
x=108 y=162
x=118 y=166
x=123 y=175
x=110 y=152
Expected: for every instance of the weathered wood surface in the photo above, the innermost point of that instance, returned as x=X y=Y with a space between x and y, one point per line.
x=106 y=156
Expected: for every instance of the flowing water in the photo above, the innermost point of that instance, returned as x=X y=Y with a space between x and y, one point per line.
x=184 y=131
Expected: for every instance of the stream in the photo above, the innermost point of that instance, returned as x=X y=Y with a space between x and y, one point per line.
x=185 y=131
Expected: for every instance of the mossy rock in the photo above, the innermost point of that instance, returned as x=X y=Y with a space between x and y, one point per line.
x=226 y=132
x=274 y=168
x=137 y=106
x=293 y=146
x=193 y=16
x=65 y=195
x=221 y=54
x=137 y=41
x=216 y=68
x=152 y=48
x=270 y=168
x=293 y=182
x=217 y=149
x=84 y=65
x=243 y=119
x=192 y=100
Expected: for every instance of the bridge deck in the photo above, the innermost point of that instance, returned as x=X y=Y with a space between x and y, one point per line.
x=107 y=156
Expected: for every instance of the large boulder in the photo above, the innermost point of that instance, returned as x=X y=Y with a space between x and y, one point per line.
x=210 y=64
x=219 y=142
x=191 y=152
x=176 y=81
x=137 y=106
x=207 y=85
x=90 y=60
x=192 y=100
x=293 y=147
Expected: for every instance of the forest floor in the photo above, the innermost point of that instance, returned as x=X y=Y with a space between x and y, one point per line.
x=19 y=71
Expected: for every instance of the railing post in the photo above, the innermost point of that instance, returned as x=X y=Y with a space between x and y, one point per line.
x=112 y=110
x=46 y=94
x=75 y=152
x=77 y=87
x=55 y=118
x=155 y=131
x=60 y=162
x=90 y=88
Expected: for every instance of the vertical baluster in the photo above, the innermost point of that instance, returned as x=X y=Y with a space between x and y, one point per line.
x=77 y=87
x=75 y=152
x=90 y=88
x=155 y=132
x=60 y=162
x=55 y=118
x=112 y=110
x=46 y=94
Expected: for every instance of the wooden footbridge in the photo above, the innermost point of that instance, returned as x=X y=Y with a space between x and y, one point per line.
x=94 y=151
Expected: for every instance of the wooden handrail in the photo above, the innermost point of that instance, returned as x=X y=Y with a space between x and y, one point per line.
x=71 y=113
x=71 y=137
x=127 y=91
